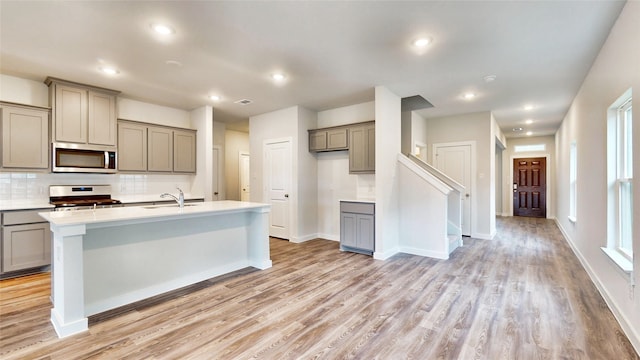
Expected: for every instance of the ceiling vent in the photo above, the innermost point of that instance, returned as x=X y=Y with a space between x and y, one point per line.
x=415 y=102
x=243 y=102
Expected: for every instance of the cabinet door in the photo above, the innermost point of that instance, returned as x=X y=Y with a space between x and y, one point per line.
x=25 y=138
x=159 y=149
x=362 y=157
x=26 y=246
x=337 y=139
x=132 y=147
x=102 y=118
x=70 y=120
x=184 y=151
x=365 y=232
x=348 y=229
x=317 y=140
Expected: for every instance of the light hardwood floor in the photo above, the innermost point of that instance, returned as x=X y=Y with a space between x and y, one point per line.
x=522 y=295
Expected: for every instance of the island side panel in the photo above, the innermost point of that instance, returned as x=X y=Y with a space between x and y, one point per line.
x=259 y=255
x=131 y=262
x=68 y=315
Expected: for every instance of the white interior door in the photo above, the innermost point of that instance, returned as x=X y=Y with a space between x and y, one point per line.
x=277 y=176
x=455 y=161
x=215 y=187
x=245 y=186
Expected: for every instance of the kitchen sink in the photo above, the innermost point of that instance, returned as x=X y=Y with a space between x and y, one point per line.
x=167 y=206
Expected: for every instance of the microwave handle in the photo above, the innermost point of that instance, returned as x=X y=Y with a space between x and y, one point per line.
x=106 y=160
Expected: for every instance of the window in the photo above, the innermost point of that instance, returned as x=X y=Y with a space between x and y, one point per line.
x=620 y=175
x=534 y=147
x=573 y=170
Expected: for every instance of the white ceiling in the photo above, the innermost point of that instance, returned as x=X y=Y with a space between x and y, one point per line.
x=333 y=53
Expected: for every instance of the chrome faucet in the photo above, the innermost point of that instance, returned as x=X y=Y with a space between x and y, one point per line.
x=179 y=199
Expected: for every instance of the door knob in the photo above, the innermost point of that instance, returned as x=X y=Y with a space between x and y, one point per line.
x=466 y=195
x=286 y=195
x=215 y=193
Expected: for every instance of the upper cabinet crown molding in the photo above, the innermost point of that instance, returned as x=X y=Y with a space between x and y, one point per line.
x=82 y=113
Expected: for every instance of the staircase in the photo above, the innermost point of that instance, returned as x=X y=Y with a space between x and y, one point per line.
x=430 y=205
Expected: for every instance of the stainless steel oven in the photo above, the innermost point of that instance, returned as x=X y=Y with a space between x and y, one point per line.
x=80 y=197
x=81 y=158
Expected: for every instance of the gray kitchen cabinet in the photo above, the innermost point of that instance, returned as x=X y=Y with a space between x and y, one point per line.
x=26 y=240
x=25 y=137
x=357 y=227
x=132 y=147
x=362 y=149
x=146 y=148
x=184 y=151
x=328 y=139
x=160 y=149
x=82 y=113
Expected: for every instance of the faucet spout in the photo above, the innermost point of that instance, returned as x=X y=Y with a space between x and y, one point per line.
x=178 y=199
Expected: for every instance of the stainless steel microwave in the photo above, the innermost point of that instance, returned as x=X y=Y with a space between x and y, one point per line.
x=82 y=158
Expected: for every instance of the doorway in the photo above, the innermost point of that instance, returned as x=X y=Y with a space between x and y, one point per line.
x=243 y=168
x=455 y=160
x=277 y=177
x=215 y=186
x=530 y=187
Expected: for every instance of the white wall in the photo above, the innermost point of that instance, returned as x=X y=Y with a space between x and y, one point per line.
x=151 y=113
x=476 y=127
x=236 y=142
x=334 y=181
x=23 y=91
x=291 y=123
x=388 y=140
x=219 y=140
x=202 y=120
x=507 y=165
x=418 y=133
x=616 y=69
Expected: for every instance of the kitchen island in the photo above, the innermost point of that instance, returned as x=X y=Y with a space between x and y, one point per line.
x=106 y=258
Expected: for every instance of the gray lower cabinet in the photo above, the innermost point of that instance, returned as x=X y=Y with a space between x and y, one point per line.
x=357 y=227
x=26 y=240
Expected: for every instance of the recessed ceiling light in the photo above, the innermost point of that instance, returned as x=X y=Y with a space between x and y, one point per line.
x=215 y=97
x=109 y=70
x=469 y=96
x=529 y=121
x=528 y=107
x=516 y=129
x=163 y=29
x=422 y=42
x=278 y=76
x=489 y=78
x=529 y=133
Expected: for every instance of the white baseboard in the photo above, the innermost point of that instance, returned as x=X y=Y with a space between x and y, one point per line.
x=301 y=239
x=379 y=255
x=625 y=324
x=482 y=236
x=329 y=237
x=426 y=253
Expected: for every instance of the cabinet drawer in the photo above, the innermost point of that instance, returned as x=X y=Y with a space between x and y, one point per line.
x=22 y=217
x=357 y=207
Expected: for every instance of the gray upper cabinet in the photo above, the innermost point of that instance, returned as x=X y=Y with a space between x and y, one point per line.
x=132 y=147
x=147 y=148
x=362 y=149
x=82 y=114
x=328 y=139
x=184 y=151
x=160 y=149
x=25 y=137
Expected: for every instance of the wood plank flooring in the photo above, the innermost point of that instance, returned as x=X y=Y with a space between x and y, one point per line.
x=522 y=295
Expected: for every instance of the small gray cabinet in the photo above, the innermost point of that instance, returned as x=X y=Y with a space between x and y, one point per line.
x=26 y=240
x=357 y=227
x=328 y=139
x=362 y=151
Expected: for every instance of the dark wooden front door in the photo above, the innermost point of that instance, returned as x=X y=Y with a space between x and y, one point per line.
x=530 y=187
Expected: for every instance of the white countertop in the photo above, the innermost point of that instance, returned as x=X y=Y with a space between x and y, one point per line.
x=24 y=204
x=360 y=200
x=149 y=213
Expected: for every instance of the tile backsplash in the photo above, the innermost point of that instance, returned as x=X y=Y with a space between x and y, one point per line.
x=35 y=186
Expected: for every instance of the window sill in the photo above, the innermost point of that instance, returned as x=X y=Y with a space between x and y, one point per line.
x=622 y=262
x=572 y=219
